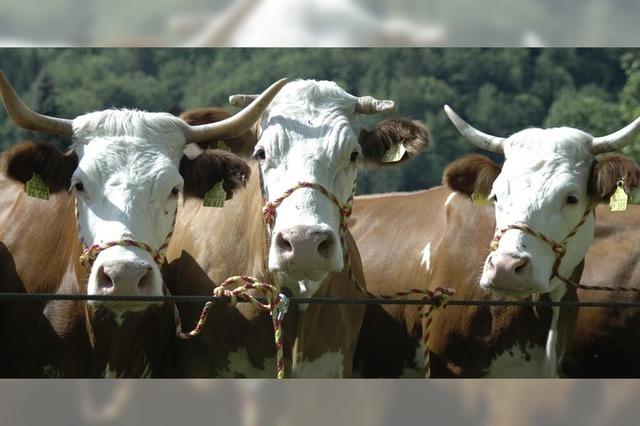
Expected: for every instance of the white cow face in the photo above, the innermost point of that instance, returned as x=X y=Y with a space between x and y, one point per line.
x=548 y=181
x=543 y=184
x=126 y=184
x=126 y=169
x=312 y=133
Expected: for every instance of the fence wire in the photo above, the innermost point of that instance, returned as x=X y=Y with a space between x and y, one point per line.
x=45 y=297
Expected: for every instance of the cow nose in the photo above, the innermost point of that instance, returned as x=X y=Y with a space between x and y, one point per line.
x=305 y=242
x=121 y=277
x=509 y=270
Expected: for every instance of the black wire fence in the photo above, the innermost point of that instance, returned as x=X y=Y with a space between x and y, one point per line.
x=41 y=297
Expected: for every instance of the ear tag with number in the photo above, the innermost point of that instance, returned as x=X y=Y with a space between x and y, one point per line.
x=479 y=200
x=215 y=197
x=395 y=153
x=36 y=188
x=618 y=201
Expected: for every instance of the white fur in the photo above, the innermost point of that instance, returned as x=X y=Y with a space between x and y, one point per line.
x=542 y=168
x=425 y=257
x=240 y=364
x=329 y=364
x=513 y=363
x=449 y=198
x=309 y=133
x=128 y=165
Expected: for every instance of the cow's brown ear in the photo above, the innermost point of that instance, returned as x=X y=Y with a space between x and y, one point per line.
x=242 y=145
x=55 y=168
x=472 y=173
x=607 y=171
x=209 y=168
x=388 y=135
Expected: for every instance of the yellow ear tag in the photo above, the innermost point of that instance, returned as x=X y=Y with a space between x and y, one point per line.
x=395 y=153
x=36 y=188
x=479 y=200
x=618 y=201
x=215 y=197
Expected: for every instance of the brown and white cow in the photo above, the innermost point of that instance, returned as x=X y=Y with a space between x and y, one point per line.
x=311 y=133
x=606 y=340
x=550 y=178
x=115 y=191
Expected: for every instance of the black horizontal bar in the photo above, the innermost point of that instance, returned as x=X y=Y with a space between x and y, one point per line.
x=314 y=300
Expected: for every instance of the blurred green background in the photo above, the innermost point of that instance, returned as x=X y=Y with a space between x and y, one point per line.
x=500 y=91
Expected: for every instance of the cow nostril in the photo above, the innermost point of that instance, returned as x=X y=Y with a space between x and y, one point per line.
x=326 y=245
x=282 y=244
x=103 y=279
x=522 y=264
x=146 y=279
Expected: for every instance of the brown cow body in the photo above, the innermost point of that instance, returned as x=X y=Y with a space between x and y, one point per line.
x=605 y=343
x=239 y=341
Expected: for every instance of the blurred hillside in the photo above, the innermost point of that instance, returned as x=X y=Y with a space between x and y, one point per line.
x=498 y=90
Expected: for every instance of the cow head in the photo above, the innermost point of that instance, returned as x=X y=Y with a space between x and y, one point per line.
x=549 y=179
x=312 y=133
x=126 y=169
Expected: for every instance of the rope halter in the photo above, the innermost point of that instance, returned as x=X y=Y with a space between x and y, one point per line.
x=560 y=249
x=90 y=253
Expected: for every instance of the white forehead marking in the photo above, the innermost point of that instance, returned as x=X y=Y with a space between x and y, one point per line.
x=528 y=147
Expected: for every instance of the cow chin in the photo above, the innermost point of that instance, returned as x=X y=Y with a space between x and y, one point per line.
x=306 y=275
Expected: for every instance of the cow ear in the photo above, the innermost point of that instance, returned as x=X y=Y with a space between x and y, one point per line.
x=607 y=171
x=472 y=173
x=202 y=172
x=242 y=145
x=21 y=161
x=399 y=139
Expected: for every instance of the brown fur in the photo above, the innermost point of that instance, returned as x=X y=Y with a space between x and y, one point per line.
x=472 y=173
x=607 y=171
x=21 y=161
x=376 y=142
x=209 y=168
x=242 y=145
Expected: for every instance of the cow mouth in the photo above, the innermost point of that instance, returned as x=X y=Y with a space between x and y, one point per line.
x=124 y=307
x=515 y=292
x=302 y=275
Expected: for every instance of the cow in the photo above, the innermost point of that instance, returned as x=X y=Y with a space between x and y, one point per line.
x=605 y=342
x=111 y=207
x=546 y=189
x=310 y=134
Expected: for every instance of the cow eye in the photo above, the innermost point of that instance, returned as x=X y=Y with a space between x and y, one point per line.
x=572 y=199
x=78 y=186
x=259 y=154
x=175 y=191
x=354 y=156
x=494 y=198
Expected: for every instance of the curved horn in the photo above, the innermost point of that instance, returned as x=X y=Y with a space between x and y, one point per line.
x=24 y=117
x=370 y=105
x=242 y=101
x=237 y=124
x=616 y=140
x=475 y=136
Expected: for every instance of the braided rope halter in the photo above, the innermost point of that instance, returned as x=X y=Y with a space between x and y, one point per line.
x=559 y=250
x=439 y=294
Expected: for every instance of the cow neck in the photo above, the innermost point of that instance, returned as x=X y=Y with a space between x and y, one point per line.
x=559 y=249
x=345 y=210
x=90 y=253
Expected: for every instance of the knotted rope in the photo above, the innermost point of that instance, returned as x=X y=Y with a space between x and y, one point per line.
x=277 y=306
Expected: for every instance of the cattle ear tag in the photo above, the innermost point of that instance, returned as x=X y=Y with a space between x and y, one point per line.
x=395 y=153
x=480 y=200
x=215 y=197
x=36 y=188
x=618 y=201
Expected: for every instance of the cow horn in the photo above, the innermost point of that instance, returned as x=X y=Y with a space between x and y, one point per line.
x=370 y=105
x=239 y=123
x=242 y=101
x=475 y=136
x=616 y=140
x=24 y=117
